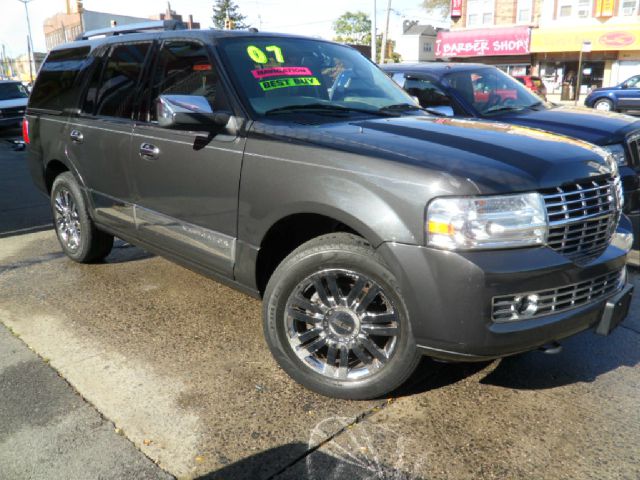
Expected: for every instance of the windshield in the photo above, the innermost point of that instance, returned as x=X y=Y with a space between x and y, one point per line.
x=9 y=91
x=278 y=75
x=490 y=90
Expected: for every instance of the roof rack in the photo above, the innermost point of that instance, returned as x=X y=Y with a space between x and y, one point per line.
x=158 y=25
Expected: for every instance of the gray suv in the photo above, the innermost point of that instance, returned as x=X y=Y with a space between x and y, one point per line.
x=374 y=232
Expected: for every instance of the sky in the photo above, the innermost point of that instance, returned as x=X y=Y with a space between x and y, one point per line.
x=307 y=17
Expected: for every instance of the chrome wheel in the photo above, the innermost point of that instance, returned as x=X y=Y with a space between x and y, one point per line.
x=603 y=105
x=341 y=324
x=67 y=219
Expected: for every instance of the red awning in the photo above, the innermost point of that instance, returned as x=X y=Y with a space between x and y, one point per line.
x=483 y=42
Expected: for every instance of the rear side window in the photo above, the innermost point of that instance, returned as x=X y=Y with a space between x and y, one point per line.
x=116 y=93
x=57 y=85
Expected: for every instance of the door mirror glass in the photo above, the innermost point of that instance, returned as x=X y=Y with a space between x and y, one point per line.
x=175 y=111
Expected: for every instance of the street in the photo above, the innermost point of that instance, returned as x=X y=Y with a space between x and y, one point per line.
x=176 y=363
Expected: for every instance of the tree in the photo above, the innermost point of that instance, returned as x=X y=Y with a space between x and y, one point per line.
x=226 y=8
x=437 y=7
x=353 y=28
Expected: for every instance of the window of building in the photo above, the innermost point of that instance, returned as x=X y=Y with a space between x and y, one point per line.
x=427 y=47
x=574 y=8
x=480 y=12
x=628 y=8
x=524 y=11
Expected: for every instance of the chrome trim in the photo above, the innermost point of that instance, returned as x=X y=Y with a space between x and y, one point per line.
x=582 y=217
x=633 y=147
x=560 y=299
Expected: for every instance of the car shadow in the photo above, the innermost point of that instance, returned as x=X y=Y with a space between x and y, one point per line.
x=296 y=461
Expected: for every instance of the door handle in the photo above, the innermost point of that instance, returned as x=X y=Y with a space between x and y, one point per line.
x=149 y=152
x=76 y=136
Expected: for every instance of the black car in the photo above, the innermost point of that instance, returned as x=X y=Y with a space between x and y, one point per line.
x=485 y=92
x=374 y=232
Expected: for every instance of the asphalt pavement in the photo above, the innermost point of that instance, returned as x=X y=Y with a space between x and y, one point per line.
x=139 y=363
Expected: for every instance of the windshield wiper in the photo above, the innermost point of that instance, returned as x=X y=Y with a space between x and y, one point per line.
x=502 y=108
x=399 y=107
x=324 y=107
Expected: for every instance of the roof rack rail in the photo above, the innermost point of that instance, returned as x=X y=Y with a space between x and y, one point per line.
x=159 y=25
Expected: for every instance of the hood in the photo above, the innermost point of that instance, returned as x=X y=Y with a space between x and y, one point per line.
x=13 y=102
x=601 y=128
x=493 y=157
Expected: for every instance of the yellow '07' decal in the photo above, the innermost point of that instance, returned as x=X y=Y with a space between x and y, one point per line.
x=257 y=55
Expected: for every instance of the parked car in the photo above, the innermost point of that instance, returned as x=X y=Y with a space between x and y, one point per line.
x=625 y=96
x=373 y=232
x=13 y=103
x=451 y=89
x=535 y=84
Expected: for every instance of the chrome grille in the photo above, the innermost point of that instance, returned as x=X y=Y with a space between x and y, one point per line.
x=582 y=217
x=633 y=143
x=508 y=308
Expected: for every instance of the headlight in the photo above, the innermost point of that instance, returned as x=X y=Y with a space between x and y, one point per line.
x=504 y=221
x=617 y=152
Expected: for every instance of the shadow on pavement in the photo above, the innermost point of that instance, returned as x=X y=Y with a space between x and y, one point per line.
x=311 y=465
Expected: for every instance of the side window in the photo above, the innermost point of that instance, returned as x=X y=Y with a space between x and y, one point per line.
x=398 y=78
x=183 y=68
x=56 y=87
x=89 y=103
x=117 y=89
x=427 y=93
x=633 y=82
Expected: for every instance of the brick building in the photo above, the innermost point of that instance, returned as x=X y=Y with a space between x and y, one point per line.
x=544 y=37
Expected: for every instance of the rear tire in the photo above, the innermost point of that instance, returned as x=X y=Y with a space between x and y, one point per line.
x=335 y=320
x=604 y=105
x=80 y=239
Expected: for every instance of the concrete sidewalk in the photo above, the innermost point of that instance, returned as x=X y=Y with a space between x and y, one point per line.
x=47 y=431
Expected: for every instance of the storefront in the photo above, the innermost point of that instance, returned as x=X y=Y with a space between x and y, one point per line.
x=556 y=54
x=506 y=48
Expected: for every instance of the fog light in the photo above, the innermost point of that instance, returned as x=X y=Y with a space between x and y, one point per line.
x=524 y=306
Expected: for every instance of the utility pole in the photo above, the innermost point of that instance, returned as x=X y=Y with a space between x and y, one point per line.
x=29 y=44
x=374 y=43
x=385 y=35
x=584 y=48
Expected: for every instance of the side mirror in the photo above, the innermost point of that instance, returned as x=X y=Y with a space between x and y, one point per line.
x=188 y=111
x=441 y=110
x=624 y=85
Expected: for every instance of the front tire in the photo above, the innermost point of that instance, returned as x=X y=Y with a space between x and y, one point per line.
x=335 y=320
x=604 y=105
x=80 y=239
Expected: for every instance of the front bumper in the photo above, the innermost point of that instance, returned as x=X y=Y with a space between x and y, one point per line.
x=449 y=297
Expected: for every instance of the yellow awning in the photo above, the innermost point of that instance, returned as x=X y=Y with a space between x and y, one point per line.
x=602 y=37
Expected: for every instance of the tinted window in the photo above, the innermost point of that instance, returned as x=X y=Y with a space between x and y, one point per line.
x=427 y=93
x=183 y=68
x=117 y=90
x=56 y=85
x=9 y=91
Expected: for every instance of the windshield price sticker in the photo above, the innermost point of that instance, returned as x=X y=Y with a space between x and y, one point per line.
x=280 y=72
x=267 y=85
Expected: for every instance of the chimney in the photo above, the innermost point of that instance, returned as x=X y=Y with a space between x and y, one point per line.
x=190 y=22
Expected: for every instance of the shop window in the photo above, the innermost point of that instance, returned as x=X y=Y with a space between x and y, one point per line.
x=524 y=11
x=480 y=12
x=628 y=8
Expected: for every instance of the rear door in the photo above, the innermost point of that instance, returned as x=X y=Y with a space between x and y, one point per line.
x=629 y=96
x=99 y=140
x=187 y=182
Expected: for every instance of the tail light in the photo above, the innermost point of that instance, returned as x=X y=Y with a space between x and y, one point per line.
x=25 y=130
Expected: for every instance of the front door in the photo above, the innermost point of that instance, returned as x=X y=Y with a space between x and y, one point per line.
x=186 y=182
